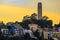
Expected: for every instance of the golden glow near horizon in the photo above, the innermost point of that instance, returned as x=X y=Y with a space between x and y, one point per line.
x=20 y=8
x=12 y=14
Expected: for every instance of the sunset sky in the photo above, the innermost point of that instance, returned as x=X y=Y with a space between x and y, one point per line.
x=14 y=10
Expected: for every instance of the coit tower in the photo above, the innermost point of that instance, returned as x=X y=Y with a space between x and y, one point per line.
x=39 y=11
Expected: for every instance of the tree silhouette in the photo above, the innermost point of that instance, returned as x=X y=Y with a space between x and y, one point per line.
x=33 y=16
x=57 y=25
x=44 y=22
x=27 y=17
x=44 y=18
